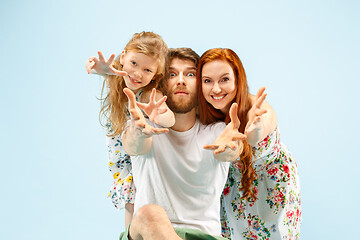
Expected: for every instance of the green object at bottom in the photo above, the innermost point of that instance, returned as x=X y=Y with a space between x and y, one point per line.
x=195 y=234
x=184 y=233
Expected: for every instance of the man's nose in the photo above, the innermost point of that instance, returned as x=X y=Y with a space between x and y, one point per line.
x=181 y=80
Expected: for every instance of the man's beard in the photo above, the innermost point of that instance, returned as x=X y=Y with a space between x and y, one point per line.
x=183 y=104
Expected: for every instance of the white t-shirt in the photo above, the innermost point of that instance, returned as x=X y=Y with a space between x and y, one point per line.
x=183 y=178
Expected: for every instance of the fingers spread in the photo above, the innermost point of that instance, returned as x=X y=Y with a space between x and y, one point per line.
x=232 y=146
x=141 y=105
x=160 y=130
x=101 y=56
x=260 y=100
x=239 y=136
x=111 y=59
x=119 y=73
x=161 y=100
x=161 y=111
x=233 y=115
x=260 y=112
x=211 y=146
x=152 y=95
x=219 y=150
x=131 y=96
x=260 y=92
x=134 y=114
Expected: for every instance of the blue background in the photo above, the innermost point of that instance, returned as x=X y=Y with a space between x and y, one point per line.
x=53 y=175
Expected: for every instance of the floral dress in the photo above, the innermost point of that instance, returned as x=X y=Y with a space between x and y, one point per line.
x=276 y=211
x=123 y=189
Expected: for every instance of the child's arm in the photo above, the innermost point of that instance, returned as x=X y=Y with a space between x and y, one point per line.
x=228 y=146
x=129 y=212
x=101 y=66
x=156 y=108
x=262 y=119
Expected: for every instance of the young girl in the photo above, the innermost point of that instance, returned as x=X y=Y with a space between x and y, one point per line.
x=140 y=67
x=261 y=199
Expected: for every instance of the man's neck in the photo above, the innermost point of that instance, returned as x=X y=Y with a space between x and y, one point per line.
x=184 y=121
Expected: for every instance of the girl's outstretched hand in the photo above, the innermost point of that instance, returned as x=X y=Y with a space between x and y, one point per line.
x=138 y=119
x=102 y=66
x=256 y=112
x=228 y=142
x=152 y=108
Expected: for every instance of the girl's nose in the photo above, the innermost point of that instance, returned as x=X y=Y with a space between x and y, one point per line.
x=137 y=75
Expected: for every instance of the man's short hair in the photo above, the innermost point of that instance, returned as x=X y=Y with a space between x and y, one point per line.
x=184 y=54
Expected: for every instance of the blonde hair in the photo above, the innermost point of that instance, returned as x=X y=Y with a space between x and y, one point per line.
x=113 y=108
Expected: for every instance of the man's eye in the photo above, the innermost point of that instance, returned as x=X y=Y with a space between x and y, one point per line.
x=172 y=75
x=191 y=74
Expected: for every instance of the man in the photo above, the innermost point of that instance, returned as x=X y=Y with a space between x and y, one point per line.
x=178 y=183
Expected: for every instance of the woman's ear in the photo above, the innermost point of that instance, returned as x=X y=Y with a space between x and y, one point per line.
x=122 y=56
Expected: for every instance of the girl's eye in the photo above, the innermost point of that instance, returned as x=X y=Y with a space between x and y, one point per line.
x=133 y=62
x=148 y=70
x=206 y=80
x=191 y=74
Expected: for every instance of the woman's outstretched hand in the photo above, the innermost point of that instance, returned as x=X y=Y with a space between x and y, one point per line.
x=255 y=111
x=253 y=129
x=102 y=66
x=228 y=146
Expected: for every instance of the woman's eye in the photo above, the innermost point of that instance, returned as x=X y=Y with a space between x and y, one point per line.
x=206 y=80
x=225 y=79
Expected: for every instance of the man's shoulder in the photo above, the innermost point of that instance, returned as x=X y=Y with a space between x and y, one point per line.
x=215 y=128
x=212 y=125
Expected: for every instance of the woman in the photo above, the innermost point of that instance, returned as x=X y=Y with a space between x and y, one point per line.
x=261 y=199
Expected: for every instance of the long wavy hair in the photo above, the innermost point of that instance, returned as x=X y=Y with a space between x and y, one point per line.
x=113 y=109
x=208 y=114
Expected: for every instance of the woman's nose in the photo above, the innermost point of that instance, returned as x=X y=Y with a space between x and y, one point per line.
x=216 y=88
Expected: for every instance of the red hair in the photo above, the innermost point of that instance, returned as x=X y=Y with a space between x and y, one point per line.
x=208 y=114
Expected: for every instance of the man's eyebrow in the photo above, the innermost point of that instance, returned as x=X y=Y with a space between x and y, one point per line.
x=187 y=69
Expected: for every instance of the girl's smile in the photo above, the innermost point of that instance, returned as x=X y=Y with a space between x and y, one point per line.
x=140 y=69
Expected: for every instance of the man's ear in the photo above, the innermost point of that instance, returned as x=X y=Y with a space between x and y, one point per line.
x=122 y=56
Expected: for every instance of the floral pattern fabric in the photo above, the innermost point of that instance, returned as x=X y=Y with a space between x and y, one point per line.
x=276 y=211
x=122 y=189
